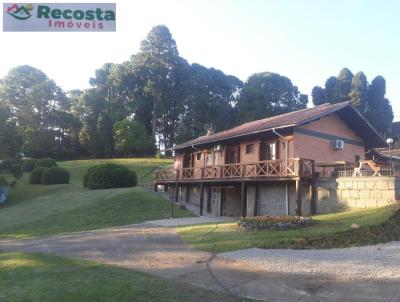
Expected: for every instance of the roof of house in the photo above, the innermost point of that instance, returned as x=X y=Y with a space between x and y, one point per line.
x=385 y=152
x=347 y=112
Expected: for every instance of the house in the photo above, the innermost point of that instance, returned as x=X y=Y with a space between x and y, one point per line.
x=269 y=166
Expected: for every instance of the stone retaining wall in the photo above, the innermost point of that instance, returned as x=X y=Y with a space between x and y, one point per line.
x=356 y=192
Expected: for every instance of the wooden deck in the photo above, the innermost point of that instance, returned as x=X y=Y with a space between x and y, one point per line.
x=281 y=169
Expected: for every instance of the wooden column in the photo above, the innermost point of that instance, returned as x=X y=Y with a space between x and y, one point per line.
x=209 y=192
x=243 y=199
x=174 y=199
x=313 y=200
x=176 y=193
x=298 y=197
x=256 y=197
x=155 y=187
x=187 y=193
x=221 y=200
x=201 y=198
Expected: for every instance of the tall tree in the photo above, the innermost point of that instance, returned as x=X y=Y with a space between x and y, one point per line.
x=343 y=85
x=267 y=94
x=9 y=140
x=318 y=96
x=330 y=86
x=131 y=139
x=368 y=99
x=209 y=94
x=163 y=72
x=359 y=92
x=39 y=107
x=380 y=112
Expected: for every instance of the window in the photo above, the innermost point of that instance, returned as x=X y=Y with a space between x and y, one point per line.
x=270 y=151
x=250 y=149
x=198 y=156
x=357 y=158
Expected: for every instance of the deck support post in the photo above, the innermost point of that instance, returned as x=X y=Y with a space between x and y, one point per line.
x=174 y=199
x=187 y=193
x=243 y=197
x=298 y=197
x=256 y=197
x=209 y=192
x=313 y=199
x=155 y=187
x=201 y=198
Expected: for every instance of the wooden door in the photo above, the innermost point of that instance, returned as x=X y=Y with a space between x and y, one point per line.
x=188 y=160
x=232 y=155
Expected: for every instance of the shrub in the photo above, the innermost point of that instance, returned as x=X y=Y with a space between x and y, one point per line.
x=3 y=181
x=12 y=166
x=55 y=175
x=36 y=176
x=28 y=165
x=260 y=223
x=46 y=162
x=107 y=176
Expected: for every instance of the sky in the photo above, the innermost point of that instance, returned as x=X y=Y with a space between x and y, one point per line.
x=305 y=40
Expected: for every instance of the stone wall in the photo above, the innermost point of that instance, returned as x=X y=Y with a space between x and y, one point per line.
x=272 y=199
x=356 y=192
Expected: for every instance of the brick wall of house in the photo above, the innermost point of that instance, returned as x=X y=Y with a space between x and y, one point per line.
x=300 y=145
x=320 y=149
x=250 y=157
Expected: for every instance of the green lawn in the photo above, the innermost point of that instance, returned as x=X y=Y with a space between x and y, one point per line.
x=44 y=278
x=331 y=230
x=37 y=210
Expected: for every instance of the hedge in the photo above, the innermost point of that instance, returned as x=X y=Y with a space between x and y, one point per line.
x=46 y=162
x=107 y=176
x=55 y=175
x=28 y=165
x=36 y=176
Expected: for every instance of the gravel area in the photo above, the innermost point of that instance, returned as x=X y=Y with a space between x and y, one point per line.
x=374 y=262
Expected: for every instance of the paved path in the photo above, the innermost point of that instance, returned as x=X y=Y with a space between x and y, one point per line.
x=160 y=251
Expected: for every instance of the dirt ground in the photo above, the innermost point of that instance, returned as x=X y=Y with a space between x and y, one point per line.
x=160 y=251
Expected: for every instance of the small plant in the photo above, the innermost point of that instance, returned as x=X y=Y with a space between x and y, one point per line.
x=28 y=165
x=55 y=175
x=46 y=162
x=107 y=176
x=36 y=176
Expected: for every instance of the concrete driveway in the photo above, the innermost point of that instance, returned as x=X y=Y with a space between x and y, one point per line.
x=159 y=251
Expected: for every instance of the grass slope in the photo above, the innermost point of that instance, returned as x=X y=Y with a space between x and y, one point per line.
x=44 y=278
x=331 y=230
x=37 y=210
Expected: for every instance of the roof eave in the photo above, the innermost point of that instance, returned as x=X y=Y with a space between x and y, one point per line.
x=183 y=146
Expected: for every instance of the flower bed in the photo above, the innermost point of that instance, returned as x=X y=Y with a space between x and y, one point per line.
x=274 y=223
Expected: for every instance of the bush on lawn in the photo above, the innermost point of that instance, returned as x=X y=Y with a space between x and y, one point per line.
x=47 y=162
x=28 y=164
x=55 y=175
x=3 y=181
x=36 y=176
x=107 y=176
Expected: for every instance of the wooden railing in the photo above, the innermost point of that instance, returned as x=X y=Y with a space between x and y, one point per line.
x=280 y=168
x=366 y=172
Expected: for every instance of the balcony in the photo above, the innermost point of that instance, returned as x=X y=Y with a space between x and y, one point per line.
x=268 y=169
